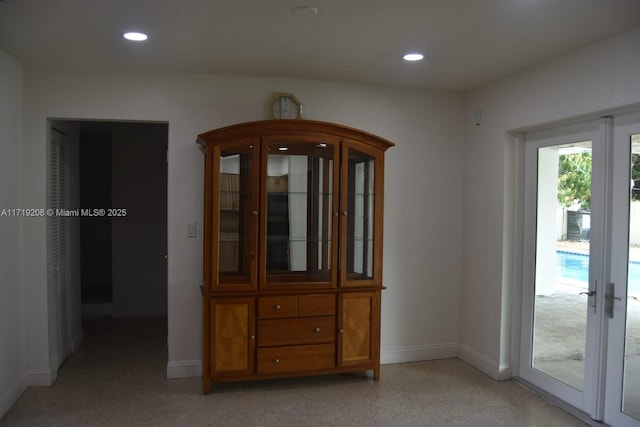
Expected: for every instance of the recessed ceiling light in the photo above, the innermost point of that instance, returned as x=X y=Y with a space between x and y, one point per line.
x=135 y=36
x=413 y=57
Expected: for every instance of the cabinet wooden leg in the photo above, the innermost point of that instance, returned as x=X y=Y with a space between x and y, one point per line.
x=376 y=374
x=206 y=386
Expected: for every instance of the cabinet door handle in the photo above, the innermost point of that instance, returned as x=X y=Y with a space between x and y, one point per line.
x=341 y=331
x=252 y=337
x=276 y=361
x=317 y=330
x=277 y=307
x=254 y=213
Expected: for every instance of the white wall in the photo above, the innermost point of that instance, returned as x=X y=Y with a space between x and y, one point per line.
x=12 y=356
x=423 y=182
x=597 y=78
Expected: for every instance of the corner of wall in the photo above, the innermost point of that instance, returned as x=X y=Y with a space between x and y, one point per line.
x=495 y=370
x=39 y=377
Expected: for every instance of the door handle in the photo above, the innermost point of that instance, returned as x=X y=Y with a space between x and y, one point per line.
x=609 y=299
x=591 y=293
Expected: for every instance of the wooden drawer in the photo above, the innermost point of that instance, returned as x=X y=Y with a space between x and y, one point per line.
x=317 y=305
x=301 y=358
x=302 y=330
x=277 y=307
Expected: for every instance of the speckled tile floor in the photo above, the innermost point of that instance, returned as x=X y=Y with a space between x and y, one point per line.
x=118 y=379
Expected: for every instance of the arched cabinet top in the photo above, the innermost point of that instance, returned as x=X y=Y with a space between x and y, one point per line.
x=294 y=127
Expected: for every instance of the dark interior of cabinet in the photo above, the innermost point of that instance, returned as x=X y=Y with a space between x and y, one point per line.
x=278 y=231
x=318 y=225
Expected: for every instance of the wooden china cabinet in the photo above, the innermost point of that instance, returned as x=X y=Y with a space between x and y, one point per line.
x=292 y=250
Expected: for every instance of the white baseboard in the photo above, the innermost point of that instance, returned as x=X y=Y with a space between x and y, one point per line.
x=9 y=396
x=490 y=367
x=505 y=372
x=184 y=369
x=39 y=377
x=418 y=353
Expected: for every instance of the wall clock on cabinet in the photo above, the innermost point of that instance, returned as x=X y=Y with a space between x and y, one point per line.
x=286 y=106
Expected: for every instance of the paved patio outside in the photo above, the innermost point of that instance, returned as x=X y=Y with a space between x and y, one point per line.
x=560 y=334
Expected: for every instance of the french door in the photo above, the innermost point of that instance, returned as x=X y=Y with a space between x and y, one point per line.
x=581 y=312
x=622 y=301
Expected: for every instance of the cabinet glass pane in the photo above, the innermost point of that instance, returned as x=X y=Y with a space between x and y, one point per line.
x=235 y=216
x=360 y=216
x=299 y=205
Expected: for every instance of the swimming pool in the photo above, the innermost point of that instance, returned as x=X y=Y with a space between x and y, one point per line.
x=575 y=266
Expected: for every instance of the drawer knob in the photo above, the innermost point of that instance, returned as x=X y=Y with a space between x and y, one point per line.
x=317 y=330
x=252 y=337
x=276 y=307
x=276 y=361
x=341 y=331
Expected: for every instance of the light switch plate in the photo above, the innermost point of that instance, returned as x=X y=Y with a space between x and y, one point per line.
x=191 y=230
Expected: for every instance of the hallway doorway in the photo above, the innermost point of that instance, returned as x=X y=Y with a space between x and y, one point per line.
x=115 y=187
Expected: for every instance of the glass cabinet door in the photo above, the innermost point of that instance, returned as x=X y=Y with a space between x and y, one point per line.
x=360 y=213
x=299 y=202
x=236 y=214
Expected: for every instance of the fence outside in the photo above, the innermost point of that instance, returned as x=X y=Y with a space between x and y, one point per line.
x=576 y=225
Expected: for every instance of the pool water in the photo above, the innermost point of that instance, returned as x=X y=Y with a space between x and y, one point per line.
x=575 y=266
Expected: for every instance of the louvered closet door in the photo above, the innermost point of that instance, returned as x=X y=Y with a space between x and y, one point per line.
x=57 y=232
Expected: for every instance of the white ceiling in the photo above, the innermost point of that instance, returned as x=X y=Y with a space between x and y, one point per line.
x=465 y=42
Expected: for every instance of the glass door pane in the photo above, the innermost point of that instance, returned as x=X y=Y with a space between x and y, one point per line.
x=562 y=261
x=359 y=208
x=622 y=298
x=631 y=364
x=299 y=222
x=360 y=212
x=237 y=215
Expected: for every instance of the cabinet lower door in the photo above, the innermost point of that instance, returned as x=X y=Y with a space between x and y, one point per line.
x=359 y=330
x=232 y=336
